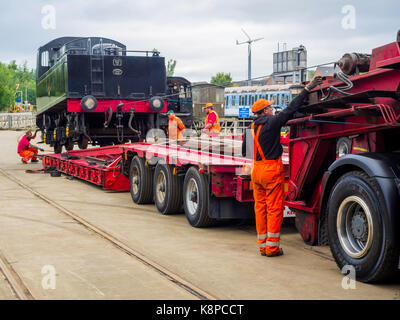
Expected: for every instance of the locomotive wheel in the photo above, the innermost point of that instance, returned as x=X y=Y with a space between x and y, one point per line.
x=140 y=181
x=83 y=143
x=358 y=233
x=167 y=189
x=195 y=199
x=69 y=145
x=57 y=148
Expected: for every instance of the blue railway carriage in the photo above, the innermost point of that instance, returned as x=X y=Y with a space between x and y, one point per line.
x=238 y=100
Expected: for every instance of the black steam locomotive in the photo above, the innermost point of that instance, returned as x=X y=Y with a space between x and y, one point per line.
x=94 y=90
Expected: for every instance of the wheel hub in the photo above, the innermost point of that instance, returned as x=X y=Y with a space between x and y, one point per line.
x=161 y=187
x=193 y=196
x=359 y=227
x=135 y=180
x=354 y=226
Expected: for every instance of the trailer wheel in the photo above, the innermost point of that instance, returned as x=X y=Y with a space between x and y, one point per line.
x=343 y=146
x=357 y=231
x=167 y=189
x=195 y=198
x=140 y=181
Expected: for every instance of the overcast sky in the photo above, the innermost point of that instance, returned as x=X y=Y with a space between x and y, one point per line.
x=201 y=35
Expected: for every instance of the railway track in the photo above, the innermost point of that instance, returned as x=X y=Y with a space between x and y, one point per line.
x=12 y=277
x=22 y=291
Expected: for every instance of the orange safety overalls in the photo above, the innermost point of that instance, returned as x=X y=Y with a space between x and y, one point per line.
x=216 y=127
x=175 y=128
x=29 y=154
x=268 y=190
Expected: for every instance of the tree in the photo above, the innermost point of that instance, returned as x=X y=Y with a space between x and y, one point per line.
x=222 y=79
x=171 y=67
x=12 y=74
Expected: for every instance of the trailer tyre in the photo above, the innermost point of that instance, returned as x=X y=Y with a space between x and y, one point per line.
x=196 y=199
x=357 y=230
x=167 y=189
x=140 y=181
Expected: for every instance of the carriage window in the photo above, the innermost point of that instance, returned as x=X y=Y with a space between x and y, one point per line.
x=44 y=59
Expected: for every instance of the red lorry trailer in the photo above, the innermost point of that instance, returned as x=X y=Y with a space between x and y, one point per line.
x=344 y=155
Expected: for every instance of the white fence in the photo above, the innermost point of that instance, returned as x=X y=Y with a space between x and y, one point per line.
x=17 y=120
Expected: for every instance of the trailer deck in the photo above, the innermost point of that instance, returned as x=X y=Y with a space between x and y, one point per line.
x=109 y=168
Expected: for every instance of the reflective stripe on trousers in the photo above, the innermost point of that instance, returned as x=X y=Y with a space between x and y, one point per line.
x=29 y=154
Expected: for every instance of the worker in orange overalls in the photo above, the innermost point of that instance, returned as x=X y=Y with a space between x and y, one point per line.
x=212 y=126
x=176 y=128
x=267 y=175
x=26 y=150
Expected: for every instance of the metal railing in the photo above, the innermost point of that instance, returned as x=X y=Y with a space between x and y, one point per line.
x=17 y=120
x=229 y=126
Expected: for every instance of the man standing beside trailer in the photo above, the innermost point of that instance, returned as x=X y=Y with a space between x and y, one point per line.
x=175 y=126
x=267 y=175
x=212 y=126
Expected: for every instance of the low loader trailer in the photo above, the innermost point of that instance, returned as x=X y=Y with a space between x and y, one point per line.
x=207 y=186
x=342 y=169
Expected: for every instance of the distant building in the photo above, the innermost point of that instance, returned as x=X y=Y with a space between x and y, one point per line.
x=204 y=92
x=289 y=66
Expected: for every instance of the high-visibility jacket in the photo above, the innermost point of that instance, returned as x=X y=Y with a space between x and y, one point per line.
x=175 y=128
x=268 y=190
x=216 y=127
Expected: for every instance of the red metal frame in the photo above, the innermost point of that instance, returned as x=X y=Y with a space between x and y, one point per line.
x=313 y=138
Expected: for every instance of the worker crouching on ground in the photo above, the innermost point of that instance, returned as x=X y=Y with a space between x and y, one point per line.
x=268 y=174
x=176 y=128
x=26 y=150
x=212 y=126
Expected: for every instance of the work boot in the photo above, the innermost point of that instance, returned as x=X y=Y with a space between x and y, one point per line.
x=276 y=254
